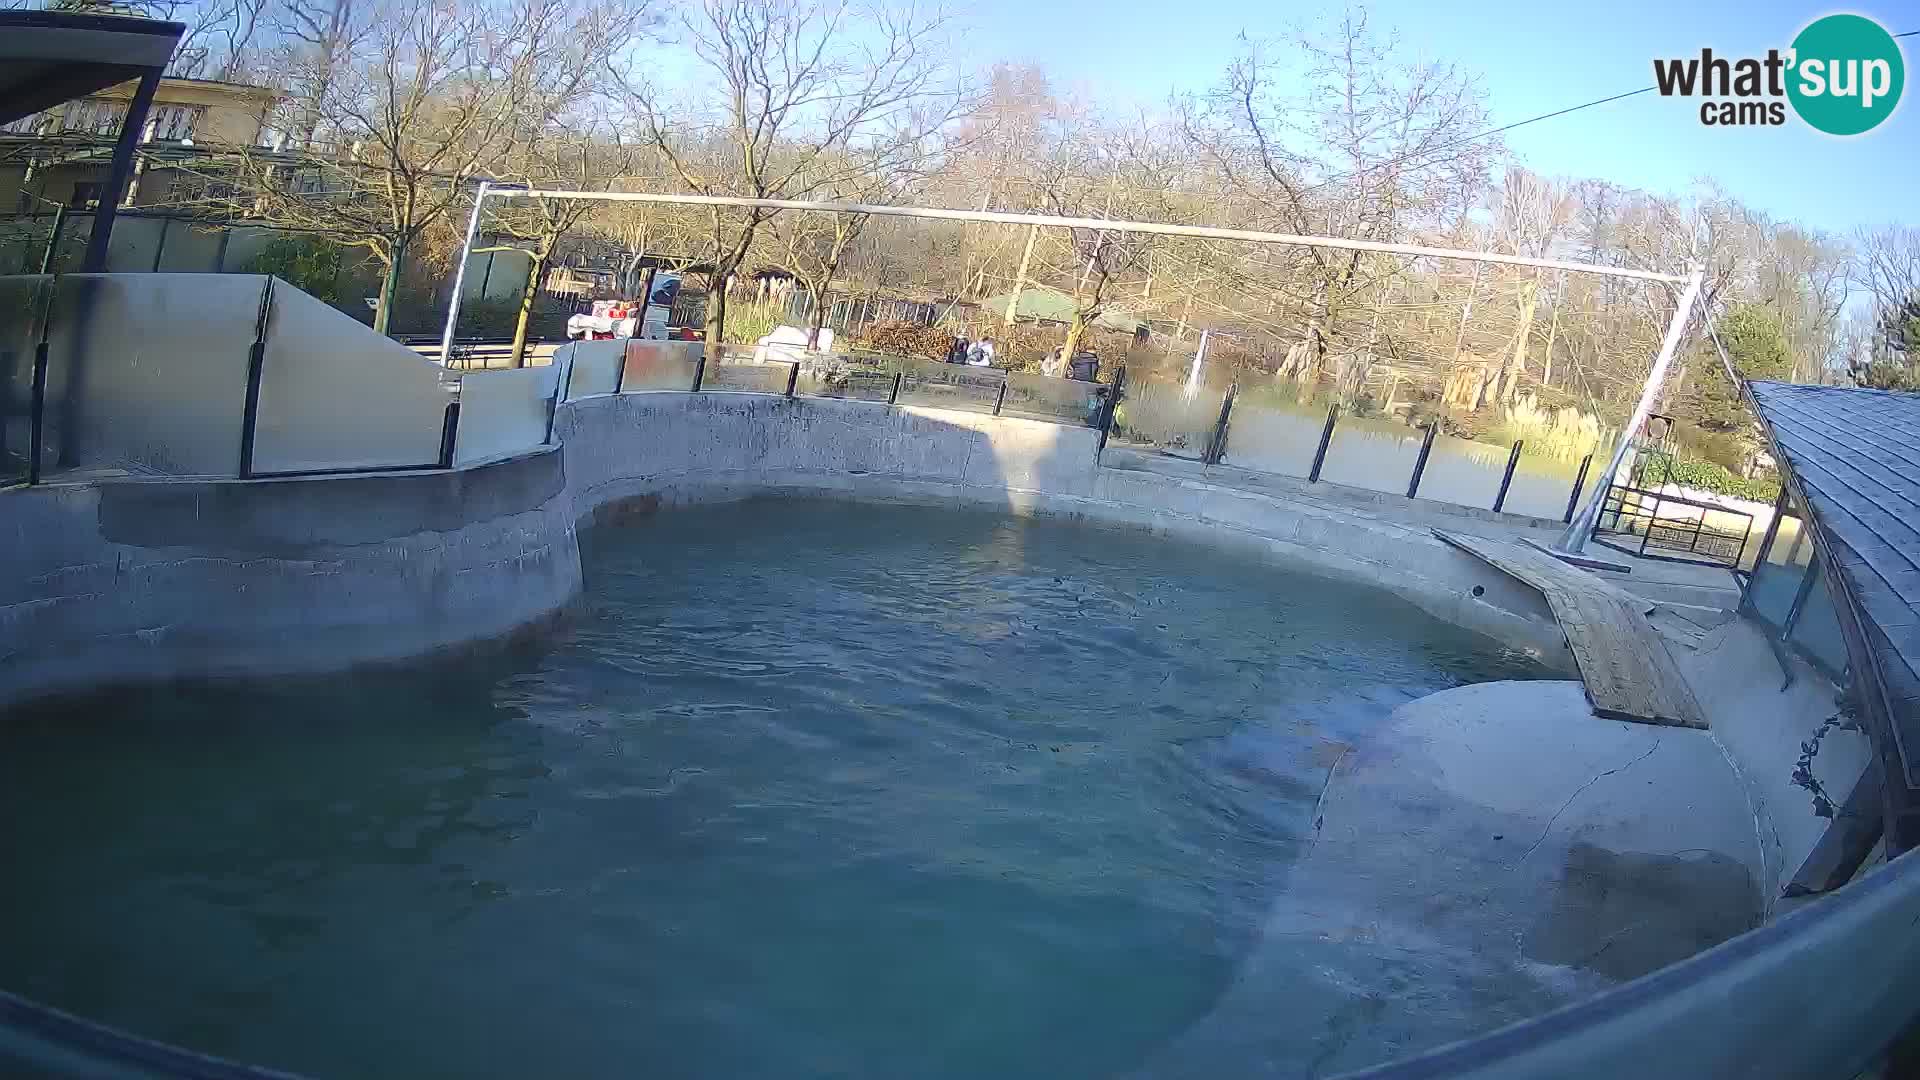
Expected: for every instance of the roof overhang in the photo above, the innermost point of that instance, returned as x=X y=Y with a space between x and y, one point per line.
x=48 y=57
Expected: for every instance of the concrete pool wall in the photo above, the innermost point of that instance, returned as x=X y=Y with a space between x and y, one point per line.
x=130 y=580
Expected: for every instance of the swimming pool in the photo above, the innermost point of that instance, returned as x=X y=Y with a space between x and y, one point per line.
x=807 y=789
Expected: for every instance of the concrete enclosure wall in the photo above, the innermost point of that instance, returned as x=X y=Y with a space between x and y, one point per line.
x=158 y=578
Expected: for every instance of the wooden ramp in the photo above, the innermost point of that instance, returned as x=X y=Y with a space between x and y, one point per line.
x=1623 y=661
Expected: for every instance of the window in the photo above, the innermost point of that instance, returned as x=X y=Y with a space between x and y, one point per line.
x=34 y=124
x=172 y=123
x=94 y=116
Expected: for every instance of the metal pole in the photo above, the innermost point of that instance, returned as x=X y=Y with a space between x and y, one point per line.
x=793 y=377
x=893 y=396
x=1579 y=481
x=53 y=242
x=460 y=275
x=449 y=433
x=1574 y=540
x=1217 y=444
x=160 y=246
x=1326 y=438
x=1114 y=390
x=1506 y=481
x=1420 y=463
x=256 y=369
x=1000 y=400
x=699 y=371
x=1199 y=358
x=119 y=173
x=1149 y=227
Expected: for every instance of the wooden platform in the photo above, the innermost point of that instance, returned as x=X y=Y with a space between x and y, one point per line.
x=1628 y=672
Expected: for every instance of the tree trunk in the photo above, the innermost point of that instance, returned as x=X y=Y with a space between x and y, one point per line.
x=1317 y=334
x=389 y=285
x=1502 y=384
x=1076 y=331
x=820 y=295
x=1020 y=279
x=536 y=269
x=716 y=321
x=1553 y=332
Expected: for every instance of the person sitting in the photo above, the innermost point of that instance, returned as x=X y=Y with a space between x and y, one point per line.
x=957 y=350
x=980 y=354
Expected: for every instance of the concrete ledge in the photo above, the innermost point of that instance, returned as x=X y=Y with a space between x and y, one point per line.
x=124 y=581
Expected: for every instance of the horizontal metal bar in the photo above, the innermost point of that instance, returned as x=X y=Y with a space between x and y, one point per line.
x=1203 y=232
x=359 y=470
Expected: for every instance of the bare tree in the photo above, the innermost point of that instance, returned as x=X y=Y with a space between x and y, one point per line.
x=804 y=98
x=1369 y=147
x=425 y=99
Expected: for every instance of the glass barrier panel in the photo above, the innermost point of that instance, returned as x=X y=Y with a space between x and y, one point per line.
x=1817 y=630
x=593 y=366
x=134 y=247
x=148 y=372
x=335 y=395
x=504 y=412
x=659 y=365
x=1271 y=431
x=746 y=377
x=1777 y=577
x=949 y=386
x=1467 y=472
x=23 y=305
x=1160 y=416
x=1374 y=454
x=841 y=377
x=189 y=249
x=1062 y=401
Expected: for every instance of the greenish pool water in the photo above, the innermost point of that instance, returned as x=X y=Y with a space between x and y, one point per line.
x=807 y=790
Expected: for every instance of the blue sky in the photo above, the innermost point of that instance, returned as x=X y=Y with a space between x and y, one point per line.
x=1533 y=58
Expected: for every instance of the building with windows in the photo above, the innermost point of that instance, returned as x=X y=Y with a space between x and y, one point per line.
x=60 y=157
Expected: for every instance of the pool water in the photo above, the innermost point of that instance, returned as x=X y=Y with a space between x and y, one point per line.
x=807 y=790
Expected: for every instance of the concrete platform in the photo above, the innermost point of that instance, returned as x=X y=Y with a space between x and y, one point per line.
x=1495 y=852
x=1507 y=815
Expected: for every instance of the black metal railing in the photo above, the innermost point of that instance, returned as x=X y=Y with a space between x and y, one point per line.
x=1656 y=525
x=1214 y=442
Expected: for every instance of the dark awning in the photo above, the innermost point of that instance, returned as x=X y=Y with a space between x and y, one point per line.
x=1853 y=458
x=47 y=57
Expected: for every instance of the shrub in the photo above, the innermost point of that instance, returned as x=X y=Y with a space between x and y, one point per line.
x=905 y=339
x=1707 y=476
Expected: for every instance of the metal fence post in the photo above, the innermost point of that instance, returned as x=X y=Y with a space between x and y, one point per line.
x=1217 y=442
x=1506 y=480
x=1114 y=390
x=1420 y=463
x=699 y=371
x=560 y=385
x=1580 y=481
x=449 y=433
x=37 y=414
x=893 y=396
x=793 y=377
x=37 y=418
x=53 y=242
x=619 y=370
x=1326 y=439
x=1000 y=399
x=256 y=370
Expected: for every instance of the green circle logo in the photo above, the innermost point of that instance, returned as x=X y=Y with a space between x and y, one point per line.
x=1847 y=74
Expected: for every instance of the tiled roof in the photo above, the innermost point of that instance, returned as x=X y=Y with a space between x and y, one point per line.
x=1856 y=457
